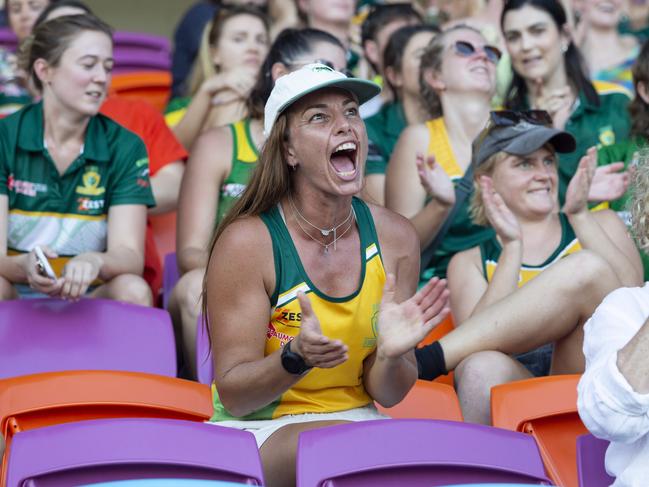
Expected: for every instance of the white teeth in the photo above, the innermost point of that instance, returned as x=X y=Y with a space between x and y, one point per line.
x=346 y=173
x=345 y=146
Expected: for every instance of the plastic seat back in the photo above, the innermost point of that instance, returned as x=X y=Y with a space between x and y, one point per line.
x=545 y=408
x=413 y=452
x=8 y=39
x=427 y=400
x=591 y=453
x=47 y=335
x=204 y=360
x=170 y=276
x=153 y=87
x=132 y=448
x=141 y=41
x=34 y=401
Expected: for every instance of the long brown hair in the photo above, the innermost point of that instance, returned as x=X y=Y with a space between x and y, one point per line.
x=638 y=109
x=269 y=183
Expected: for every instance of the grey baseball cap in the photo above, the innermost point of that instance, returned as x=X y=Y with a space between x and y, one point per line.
x=520 y=138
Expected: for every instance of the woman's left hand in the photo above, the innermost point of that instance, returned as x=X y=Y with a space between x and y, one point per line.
x=78 y=274
x=580 y=184
x=610 y=182
x=401 y=326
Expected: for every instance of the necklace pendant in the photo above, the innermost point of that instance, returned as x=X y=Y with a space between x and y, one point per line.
x=325 y=233
x=326 y=249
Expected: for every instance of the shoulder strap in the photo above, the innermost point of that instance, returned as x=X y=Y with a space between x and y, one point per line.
x=462 y=190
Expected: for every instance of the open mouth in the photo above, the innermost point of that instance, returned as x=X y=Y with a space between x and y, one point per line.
x=95 y=94
x=343 y=160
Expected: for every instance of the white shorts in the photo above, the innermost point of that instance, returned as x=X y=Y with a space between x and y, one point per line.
x=263 y=428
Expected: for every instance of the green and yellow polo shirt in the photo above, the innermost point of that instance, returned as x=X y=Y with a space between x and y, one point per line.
x=68 y=212
x=383 y=131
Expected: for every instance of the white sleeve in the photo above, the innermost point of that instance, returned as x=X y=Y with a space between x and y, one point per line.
x=607 y=404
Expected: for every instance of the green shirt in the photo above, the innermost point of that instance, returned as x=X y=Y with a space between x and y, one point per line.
x=68 y=212
x=383 y=130
x=624 y=152
x=593 y=125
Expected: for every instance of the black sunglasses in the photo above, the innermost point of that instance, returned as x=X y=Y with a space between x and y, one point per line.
x=508 y=118
x=466 y=49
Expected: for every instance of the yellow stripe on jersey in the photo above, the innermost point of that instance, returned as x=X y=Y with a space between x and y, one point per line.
x=527 y=273
x=54 y=214
x=439 y=145
x=245 y=153
x=607 y=87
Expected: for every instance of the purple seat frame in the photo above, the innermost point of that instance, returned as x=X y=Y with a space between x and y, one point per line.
x=204 y=360
x=50 y=335
x=132 y=448
x=591 y=452
x=414 y=452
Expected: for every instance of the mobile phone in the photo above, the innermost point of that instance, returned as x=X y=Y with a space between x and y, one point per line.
x=43 y=265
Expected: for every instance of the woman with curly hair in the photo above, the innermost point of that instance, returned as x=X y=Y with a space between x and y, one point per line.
x=613 y=391
x=633 y=151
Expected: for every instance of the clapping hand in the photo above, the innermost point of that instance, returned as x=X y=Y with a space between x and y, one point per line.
x=401 y=326
x=434 y=180
x=498 y=213
x=558 y=102
x=577 y=194
x=609 y=182
x=316 y=349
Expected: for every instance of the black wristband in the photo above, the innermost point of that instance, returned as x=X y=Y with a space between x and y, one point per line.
x=430 y=361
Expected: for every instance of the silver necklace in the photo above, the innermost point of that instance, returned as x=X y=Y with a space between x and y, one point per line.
x=351 y=216
x=323 y=231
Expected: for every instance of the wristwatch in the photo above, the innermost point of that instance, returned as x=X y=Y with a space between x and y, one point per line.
x=292 y=362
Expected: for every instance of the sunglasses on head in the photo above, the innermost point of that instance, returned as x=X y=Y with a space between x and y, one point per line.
x=466 y=49
x=508 y=118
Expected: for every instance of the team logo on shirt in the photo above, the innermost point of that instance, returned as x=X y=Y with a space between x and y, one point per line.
x=370 y=342
x=606 y=135
x=91 y=180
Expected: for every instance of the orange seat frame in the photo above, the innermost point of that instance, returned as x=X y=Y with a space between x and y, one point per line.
x=427 y=400
x=546 y=408
x=151 y=86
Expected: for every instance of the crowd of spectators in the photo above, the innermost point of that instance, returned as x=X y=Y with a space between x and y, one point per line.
x=486 y=159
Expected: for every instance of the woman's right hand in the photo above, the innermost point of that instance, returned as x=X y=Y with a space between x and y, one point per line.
x=36 y=280
x=228 y=87
x=498 y=213
x=435 y=180
x=316 y=349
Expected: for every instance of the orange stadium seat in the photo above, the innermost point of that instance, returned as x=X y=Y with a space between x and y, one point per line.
x=33 y=401
x=151 y=86
x=546 y=408
x=427 y=400
x=436 y=333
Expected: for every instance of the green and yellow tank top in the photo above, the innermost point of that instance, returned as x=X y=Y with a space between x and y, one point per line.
x=351 y=319
x=244 y=160
x=463 y=233
x=491 y=249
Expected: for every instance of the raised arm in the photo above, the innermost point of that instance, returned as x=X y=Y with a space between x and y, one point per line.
x=404 y=191
x=405 y=317
x=207 y=168
x=240 y=279
x=602 y=232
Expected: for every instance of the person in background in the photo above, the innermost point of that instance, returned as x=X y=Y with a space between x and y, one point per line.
x=310 y=293
x=335 y=18
x=219 y=169
x=234 y=46
x=14 y=90
x=458 y=80
x=516 y=194
x=401 y=61
x=377 y=28
x=613 y=393
x=598 y=26
x=71 y=180
x=550 y=74
x=166 y=154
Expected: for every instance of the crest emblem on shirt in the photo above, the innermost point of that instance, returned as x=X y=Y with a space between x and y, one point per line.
x=91 y=180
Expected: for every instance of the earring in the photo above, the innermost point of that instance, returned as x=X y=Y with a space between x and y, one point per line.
x=564 y=48
x=293 y=167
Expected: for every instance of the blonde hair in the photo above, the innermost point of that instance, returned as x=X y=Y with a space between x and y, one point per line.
x=476 y=205
x=639 y=201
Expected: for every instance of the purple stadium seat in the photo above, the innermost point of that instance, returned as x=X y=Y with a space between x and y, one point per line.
x=141 y=41
x=591 y=452
x=49 y=335
x=8 y=39
x=415 y=453
x=170 y=276
x=129 y=61
x=132 y=448
x=204 y=363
